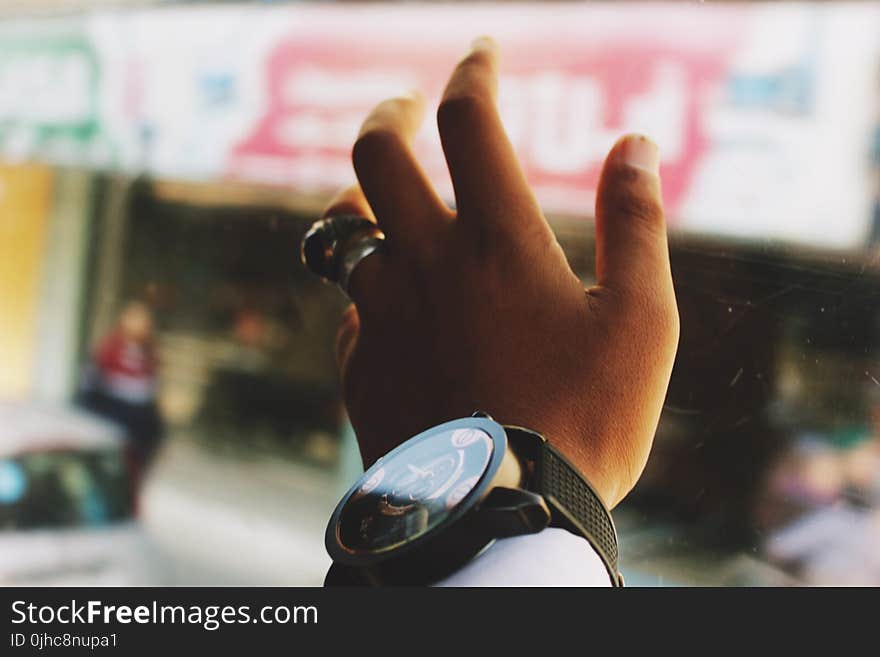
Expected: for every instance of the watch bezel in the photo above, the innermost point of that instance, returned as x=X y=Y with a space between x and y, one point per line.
x=498 y=435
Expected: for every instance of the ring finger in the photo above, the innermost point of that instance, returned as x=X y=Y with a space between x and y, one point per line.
x=364 y=285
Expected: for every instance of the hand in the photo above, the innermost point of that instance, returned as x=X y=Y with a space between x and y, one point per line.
x=479 y=309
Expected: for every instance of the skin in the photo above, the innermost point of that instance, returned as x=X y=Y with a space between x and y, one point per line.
x=136 y=322
x=478 y=308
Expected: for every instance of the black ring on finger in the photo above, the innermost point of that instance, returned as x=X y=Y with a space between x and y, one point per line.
x=335 y=245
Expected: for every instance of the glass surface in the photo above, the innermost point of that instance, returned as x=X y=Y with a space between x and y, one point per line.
x=174 y=154
x=409 y=494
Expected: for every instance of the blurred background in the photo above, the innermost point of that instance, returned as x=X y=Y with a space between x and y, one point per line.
x=169 y=409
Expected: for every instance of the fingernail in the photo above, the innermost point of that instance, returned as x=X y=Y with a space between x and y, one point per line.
x=484 y=43
x=640 y=152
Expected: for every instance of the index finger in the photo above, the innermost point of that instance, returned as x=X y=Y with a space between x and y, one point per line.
x=482 y=163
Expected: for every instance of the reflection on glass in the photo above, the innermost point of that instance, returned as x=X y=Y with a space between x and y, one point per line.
x=410 y=493
x=140 y=164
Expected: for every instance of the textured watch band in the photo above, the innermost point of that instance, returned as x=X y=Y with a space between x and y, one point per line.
x=574 y=504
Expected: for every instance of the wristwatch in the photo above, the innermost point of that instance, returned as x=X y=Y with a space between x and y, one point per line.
x=430 y=505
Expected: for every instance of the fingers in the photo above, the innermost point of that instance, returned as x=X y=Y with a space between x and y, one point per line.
x=405 y=204
x=632 y=254
x=365 y=284
x=482 y=164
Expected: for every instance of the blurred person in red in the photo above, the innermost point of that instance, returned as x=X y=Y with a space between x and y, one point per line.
x=120 y=382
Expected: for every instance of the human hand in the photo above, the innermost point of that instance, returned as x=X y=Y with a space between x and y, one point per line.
x=478 y=309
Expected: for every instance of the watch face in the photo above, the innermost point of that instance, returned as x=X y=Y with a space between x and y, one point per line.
x=413 y=489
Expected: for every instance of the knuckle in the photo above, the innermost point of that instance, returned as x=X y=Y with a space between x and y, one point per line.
x=374 y=143
x=460 y=110
x=630 y=197
x=670 y=324
x=641 y=209
x=664 y=324
x=366 y=283
x=656 y=312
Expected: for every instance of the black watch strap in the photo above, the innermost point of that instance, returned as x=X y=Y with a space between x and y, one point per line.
x=573 y=502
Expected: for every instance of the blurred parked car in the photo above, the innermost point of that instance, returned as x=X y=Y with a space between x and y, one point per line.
x=66 y=501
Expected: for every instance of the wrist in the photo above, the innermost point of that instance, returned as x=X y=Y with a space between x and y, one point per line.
x=604 y=468
x=439 y=498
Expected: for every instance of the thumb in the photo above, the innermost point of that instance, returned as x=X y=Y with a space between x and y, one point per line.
x=632 y=254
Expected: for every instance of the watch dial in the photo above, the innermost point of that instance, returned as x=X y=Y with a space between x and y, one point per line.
x=410 y=493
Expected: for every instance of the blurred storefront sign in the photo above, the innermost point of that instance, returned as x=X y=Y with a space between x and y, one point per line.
x=24 y=200
x=763 y=112
x=49 y=94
